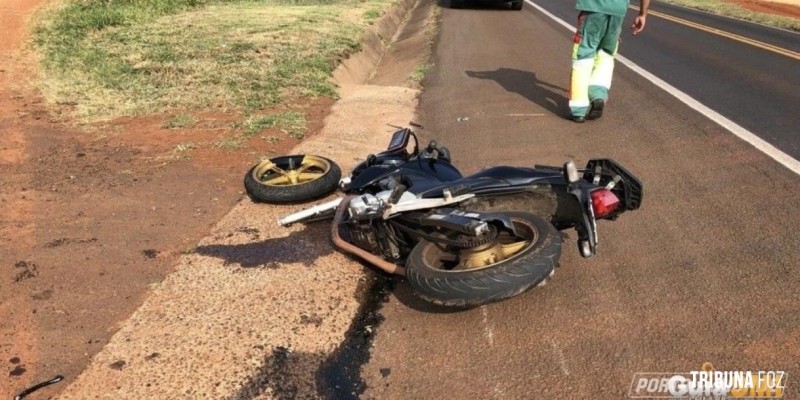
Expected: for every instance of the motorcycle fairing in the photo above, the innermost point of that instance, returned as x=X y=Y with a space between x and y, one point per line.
x=419 y=172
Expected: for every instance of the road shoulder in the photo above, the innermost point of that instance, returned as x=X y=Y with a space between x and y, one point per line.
x=255 y=310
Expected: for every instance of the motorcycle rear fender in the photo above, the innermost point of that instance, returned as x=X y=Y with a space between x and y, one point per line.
x=554 y=203
x=564 y=206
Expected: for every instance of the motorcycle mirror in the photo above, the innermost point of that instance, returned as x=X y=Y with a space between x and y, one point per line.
x=571 y=172
x=444 y=153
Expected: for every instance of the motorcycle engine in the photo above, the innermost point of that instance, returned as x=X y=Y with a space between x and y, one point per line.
x=374 y=237
x=367 y=206
x=366 y=227
x=364 y=236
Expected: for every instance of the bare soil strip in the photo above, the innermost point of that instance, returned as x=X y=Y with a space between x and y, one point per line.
x=256 y=310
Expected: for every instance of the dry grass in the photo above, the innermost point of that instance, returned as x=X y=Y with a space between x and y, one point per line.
x=233 y=57
x=734 y=10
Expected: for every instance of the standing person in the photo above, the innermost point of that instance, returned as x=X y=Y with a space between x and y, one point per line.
x=595 y=45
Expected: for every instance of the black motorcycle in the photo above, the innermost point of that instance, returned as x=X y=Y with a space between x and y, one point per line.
x=459 y=241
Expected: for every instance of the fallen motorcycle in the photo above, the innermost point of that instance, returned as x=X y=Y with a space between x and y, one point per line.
x=460 y=241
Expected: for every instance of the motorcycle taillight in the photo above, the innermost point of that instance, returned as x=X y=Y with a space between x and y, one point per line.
x=604 y=202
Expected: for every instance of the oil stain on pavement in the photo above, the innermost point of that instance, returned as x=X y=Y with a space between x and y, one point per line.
x=285 y=372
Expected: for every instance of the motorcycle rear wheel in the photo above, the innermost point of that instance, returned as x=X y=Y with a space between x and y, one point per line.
x=292 y=179
x=449 y=277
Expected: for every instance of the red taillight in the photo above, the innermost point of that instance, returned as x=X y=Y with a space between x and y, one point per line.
x=604 y=202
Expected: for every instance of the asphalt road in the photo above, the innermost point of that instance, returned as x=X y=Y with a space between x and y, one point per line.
x=707 y=270
x=752 y=81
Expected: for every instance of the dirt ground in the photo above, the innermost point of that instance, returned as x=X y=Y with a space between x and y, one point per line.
x=93 y=216
x=787 y=8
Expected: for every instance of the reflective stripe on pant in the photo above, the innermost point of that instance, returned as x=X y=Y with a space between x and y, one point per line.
x=595 y=45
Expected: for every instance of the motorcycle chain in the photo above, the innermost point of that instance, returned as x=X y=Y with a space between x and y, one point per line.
x=469 y=242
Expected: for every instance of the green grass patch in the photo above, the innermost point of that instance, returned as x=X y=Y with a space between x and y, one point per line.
x=291 y=123
x=181 y=151
x=179 y=121
x=419 y=73
x=373 y=14
x=230 y=144
x=730 y=9
x=129 y=57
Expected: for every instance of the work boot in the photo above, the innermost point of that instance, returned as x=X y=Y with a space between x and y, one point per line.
x=596 y=110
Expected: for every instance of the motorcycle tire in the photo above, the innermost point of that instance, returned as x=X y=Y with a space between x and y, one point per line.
x=292 y=179
x=528 y=266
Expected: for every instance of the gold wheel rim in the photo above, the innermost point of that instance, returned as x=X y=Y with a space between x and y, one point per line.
x=488 y=255
x=505 y=247
x=310 y=168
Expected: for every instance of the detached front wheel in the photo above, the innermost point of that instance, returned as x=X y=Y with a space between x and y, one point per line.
x=486 y=271
x=292 y=179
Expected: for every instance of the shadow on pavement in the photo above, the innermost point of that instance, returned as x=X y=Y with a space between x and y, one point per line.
x=304 y=247
x=526 y=84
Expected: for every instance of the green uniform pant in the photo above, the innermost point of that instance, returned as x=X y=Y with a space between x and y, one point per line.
x=595 y=45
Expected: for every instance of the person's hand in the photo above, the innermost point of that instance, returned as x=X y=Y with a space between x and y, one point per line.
x=638 y=24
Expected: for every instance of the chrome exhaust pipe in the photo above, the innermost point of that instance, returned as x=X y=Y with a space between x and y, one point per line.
x=345 y=246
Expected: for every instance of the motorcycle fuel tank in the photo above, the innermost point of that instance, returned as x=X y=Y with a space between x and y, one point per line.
x=417 y=173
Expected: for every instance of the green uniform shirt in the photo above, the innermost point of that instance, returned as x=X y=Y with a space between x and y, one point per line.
x=610 y=7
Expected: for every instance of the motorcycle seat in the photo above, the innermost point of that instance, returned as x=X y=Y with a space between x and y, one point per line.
x=493 y=178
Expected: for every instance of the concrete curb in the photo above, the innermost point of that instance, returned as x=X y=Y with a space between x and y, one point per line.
x=257 y=309
x=358 y=68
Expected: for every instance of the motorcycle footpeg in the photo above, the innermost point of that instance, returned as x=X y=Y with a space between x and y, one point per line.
x=459 y=223
x=571 y=172
x=585 y=248
x=469 y=222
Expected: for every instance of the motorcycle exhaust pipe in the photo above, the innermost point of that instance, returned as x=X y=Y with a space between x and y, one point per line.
x=387 y=266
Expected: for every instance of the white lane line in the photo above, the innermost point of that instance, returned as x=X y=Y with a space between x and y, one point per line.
x=562 y=361
x=749 y=137
x=487 y=330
